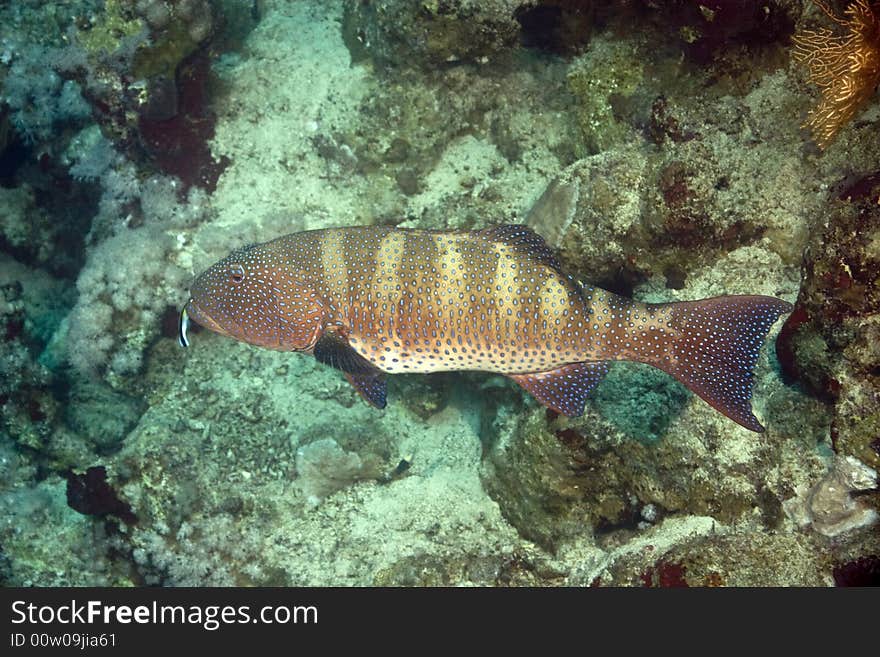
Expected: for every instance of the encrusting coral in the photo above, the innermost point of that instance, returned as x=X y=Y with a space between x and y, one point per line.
x=846 y=68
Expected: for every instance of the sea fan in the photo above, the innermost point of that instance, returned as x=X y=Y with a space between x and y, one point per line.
x=845 y=66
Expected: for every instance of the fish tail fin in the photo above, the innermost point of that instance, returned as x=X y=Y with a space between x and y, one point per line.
x=715 y=345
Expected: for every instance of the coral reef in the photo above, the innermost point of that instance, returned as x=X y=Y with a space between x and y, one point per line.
x=845 y=67
x=119 y=309
x=24 y=226
x=656 y=145
x=258 y=526
x=628 y=213
x=725 y=33
x=324 y=468
x=76 y=552
x=864 y=571
x=430 y=34
x=38 y=97
x=607 y=73
x=26 y=409
x=90 y=494
x=830 y=507
x=144 y=68
x=829 y=343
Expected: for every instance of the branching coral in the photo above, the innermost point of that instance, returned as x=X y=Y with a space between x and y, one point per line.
x=845 y=67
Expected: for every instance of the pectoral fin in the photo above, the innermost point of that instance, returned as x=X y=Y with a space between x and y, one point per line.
x=372 y=388
x=565 y=389
x=371 y=383
x=333 y=349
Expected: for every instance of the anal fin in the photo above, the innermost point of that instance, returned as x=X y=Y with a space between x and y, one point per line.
x=565 y=389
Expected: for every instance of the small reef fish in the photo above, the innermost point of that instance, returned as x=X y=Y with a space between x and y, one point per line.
x=374 y=300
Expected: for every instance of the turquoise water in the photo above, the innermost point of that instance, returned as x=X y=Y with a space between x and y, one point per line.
x=665 y=151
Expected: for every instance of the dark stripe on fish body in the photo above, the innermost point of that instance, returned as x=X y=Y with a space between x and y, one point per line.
x=334 y=273
x=362 y=266
x=416 y=323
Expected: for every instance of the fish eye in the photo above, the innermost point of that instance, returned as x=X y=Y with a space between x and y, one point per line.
x=236 y=273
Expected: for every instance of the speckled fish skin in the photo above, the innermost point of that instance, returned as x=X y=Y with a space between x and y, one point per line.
x=376 y=300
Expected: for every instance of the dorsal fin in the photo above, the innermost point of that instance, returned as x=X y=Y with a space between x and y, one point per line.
x=565 y=389
x=523 y=240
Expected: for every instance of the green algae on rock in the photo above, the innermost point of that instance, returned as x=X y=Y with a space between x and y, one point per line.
x=605 y=74
x=430 y=34
x=634 y=211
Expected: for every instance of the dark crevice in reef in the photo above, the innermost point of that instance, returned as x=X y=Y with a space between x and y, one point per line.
x=90 y=494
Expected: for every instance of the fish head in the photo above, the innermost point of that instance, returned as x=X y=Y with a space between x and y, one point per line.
x=253 y=296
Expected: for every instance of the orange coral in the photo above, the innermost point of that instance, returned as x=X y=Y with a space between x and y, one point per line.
x=845 y=67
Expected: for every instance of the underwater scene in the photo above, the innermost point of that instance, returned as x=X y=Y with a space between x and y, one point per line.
x=448 y=292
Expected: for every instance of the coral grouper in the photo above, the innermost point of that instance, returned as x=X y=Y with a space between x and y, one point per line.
x=377 y=300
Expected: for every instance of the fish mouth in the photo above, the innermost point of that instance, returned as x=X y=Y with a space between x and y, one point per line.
x=191 y=312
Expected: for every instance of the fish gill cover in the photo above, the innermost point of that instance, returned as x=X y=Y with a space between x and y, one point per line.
x=666 y=151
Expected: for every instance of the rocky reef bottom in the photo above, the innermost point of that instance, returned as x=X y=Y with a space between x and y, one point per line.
x=270 y=471
x=664 y=163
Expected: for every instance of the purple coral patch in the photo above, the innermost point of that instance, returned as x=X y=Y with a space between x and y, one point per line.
x=665 y=575
x=91 y=495
x=179 y=145
x=864 y=571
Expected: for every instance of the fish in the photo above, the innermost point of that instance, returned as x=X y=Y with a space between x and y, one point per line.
x=183 y=328
x=378 y=300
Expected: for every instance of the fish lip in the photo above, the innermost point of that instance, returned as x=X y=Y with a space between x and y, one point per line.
x=199 y=316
